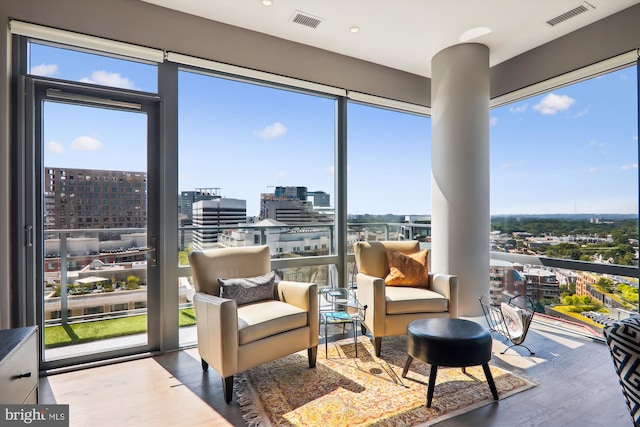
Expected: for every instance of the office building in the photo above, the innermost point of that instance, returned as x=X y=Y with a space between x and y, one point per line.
x=215 y=213
x=186 y=199
x=296 y=206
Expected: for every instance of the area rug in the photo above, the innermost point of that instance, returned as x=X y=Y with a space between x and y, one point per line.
x=345 y=390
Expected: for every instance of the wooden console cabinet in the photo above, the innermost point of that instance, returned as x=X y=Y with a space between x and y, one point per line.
x=19 y=365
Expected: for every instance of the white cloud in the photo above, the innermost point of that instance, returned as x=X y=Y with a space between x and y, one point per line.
x=44 y=69
x=592 y=170
x=596 y=143
x=520 y=109
x=279 y=175
x=635 y=137
x=553 y=103
x=493 y=121
x=271 y=132
x=505 y=165
x=581 y=113
x=628 y=167
x=105 y=78
x=54 y=147
x=86 y=143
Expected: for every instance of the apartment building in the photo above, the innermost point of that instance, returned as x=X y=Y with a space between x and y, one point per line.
x=505 y=281
x=88 y=198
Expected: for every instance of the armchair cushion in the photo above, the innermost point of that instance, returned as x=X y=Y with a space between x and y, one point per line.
x=246 y=290
x=406 y=300
x=266 y=318
x=408 y=269
x=371 y=257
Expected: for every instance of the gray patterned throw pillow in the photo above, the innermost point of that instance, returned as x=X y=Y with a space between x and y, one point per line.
x=246 y=290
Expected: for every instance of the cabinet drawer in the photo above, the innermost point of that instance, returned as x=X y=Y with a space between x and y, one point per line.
x=22 y=361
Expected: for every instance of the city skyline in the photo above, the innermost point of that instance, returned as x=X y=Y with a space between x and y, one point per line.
x=571 y=150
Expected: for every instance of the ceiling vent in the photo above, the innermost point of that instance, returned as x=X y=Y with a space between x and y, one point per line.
x=306 y=19
x=582 y=8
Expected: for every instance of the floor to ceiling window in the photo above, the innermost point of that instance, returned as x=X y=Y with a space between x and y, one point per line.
x=564 y=184
x=256 y=166
x=388 y=175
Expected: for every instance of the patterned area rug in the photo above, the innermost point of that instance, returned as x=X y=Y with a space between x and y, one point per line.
x=344 y=390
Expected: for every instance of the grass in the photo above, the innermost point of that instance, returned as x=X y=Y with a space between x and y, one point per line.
x=57 y=336
x=564 y=309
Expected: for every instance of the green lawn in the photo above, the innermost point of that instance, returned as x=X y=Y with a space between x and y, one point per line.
x=57 y=336
x=564 y=309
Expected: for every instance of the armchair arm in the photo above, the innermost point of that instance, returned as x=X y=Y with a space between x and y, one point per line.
x=305 y=296
x=217 y=327
x=446 y=285
x=371 y=292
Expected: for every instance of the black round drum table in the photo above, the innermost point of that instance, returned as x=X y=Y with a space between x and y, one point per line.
x=449 y=342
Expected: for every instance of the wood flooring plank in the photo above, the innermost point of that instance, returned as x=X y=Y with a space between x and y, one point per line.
x=577 y=387
x=136 y=393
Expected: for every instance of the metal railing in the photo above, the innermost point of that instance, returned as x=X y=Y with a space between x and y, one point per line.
x=271 y=235
x=568 y=264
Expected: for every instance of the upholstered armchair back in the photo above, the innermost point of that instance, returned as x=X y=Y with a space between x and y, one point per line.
x=371 y=257
x=209 y=265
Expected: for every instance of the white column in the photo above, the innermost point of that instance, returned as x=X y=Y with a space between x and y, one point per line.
x=460 y=170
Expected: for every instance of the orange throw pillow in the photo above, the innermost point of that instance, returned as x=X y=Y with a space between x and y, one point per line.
x=408 y=270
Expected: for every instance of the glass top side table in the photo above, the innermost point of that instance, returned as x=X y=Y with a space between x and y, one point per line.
x=343 y=307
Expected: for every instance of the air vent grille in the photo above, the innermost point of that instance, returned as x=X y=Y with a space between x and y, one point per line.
x=584 y=7
x=306 y=20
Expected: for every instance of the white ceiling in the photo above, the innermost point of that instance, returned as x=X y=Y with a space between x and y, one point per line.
x=405 y=34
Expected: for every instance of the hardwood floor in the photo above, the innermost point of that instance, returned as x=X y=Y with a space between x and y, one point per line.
x=167 y=390
x=577 y=387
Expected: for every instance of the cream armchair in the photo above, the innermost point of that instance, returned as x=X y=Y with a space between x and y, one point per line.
x=233 y=338
x=391 y=308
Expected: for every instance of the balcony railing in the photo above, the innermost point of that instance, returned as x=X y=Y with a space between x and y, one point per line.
x=299 y=251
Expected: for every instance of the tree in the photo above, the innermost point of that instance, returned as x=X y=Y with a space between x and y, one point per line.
x=605 y=284
x=586 y=300
x=566 y=290
x=564 y=250
x=620 y=238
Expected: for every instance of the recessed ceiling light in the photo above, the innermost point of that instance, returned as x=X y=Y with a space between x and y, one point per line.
x=474 y=33
x=267 y=2
x=354 y=29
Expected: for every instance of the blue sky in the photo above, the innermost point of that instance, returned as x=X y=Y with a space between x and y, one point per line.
x=573 y=150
